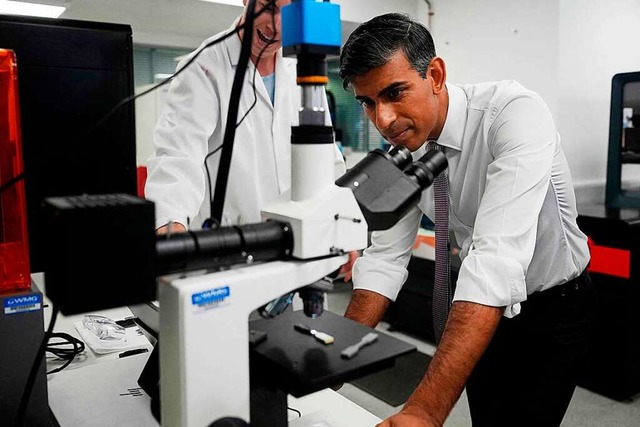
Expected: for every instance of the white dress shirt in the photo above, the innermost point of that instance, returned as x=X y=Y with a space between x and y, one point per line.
x=513 y=209
x=193 y=123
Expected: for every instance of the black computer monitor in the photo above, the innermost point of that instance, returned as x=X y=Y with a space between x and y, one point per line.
x=71 y=74
x=623 y=145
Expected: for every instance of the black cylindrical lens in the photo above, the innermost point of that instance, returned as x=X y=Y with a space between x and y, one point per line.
x=312 y=302
x=425 y=170
x=400 y=156
x=224 y=246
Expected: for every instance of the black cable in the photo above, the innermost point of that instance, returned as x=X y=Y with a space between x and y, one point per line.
x=232 y=116
x=12 y=181
x=68 y=354
x=206 y=167
x=253 y=104
x=295 y=410
x=253 y=86
x=26 y=394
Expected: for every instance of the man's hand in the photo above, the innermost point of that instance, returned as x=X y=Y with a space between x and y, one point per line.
x=410 y=416
x=172 y=227
x=347 y=267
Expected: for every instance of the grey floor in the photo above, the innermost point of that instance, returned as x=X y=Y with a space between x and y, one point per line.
x=587 y=409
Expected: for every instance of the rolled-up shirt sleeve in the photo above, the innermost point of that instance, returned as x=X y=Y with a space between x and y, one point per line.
x=383 y=266
x=517 y=180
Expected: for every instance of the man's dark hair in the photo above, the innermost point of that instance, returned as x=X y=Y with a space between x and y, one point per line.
x=374 y=42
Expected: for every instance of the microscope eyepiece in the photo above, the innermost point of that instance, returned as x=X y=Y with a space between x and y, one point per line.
x=425 y=170
x=400 y=156
x=387 y=184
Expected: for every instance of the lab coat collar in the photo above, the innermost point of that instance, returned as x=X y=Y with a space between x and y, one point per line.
x=234 y=45
x=453 y=131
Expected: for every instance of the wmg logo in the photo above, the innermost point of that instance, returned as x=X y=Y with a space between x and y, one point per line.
x=31 y=299
x=210 y=296
x=22 y=304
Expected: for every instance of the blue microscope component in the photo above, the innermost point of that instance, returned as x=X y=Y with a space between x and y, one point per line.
x=311 y=26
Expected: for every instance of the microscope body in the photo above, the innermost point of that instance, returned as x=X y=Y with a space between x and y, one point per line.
x=204 y=336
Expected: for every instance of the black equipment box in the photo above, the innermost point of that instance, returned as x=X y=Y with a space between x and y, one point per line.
x=101 y=251
x=613 y=368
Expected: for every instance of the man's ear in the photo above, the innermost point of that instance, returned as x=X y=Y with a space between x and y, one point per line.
x=438 y=71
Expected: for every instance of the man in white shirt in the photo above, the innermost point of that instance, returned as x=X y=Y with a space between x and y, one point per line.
x=515 y=334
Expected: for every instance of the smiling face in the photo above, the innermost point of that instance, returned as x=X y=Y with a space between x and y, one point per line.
x=406 y=108
x=266 y=28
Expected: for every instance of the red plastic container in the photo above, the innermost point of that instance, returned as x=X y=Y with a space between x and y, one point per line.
x=14 y=243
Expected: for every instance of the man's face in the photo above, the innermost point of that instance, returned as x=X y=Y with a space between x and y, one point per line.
x=266 y=28
x=402 y=105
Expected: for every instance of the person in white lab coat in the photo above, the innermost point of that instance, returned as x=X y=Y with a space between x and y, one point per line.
x=192 y=125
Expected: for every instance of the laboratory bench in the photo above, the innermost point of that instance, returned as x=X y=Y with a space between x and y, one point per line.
x=103 y=390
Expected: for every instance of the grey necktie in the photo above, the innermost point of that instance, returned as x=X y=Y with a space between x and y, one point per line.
x=442 y=289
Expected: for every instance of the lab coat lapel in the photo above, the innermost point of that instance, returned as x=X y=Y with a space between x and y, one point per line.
x=261 y=90
x=234 y=46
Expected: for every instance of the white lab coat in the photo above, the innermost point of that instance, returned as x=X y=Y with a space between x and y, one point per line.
x=192 y=124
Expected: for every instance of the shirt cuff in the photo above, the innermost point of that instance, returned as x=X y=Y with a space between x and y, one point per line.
x=378 y=276
x=492 y=281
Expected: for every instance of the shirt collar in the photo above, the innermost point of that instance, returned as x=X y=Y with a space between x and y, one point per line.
x=453 y=130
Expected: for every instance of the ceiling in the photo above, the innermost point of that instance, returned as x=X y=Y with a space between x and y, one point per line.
x=175 y=23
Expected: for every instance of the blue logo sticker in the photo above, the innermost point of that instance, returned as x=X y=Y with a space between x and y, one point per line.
x=211 y=296
x=22 y=304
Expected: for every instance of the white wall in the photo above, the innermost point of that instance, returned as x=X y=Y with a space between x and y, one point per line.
x=363 y=10
x=500 y=39
x=567 y=50
x=597 y=40
x=170 y=23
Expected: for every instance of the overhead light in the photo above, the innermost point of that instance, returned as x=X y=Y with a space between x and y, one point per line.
x=230 y=2
x=48 y=10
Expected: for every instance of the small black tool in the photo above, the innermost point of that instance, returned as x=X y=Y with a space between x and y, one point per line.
x=133 y=352
x=129 y=322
